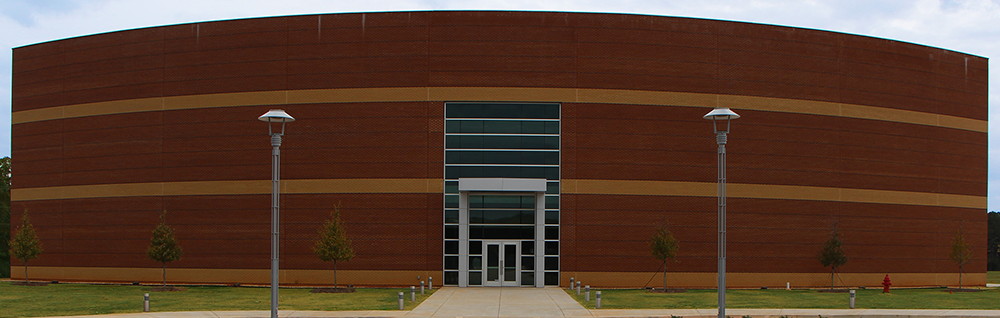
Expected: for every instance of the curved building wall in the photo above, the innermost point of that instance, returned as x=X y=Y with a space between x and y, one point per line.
x=886 y=139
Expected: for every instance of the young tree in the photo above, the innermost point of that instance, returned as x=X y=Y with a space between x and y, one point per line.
x=992 y=241
x=25 y=245
x=333 y=244
x=832 y=254
x=664 y=247
x=961 y=253
x=4 y=217
x=163 y=247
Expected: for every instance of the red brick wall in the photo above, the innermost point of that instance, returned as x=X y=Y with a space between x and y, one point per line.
x=500 y=49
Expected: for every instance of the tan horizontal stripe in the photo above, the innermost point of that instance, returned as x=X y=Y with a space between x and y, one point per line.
x=293 y=186
x=569 y=186
x=227 y=275
x=772 y=280
x=563 y=95
x=406 y=277
x=771 y=191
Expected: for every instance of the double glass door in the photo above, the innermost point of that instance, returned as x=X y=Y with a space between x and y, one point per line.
x=502 y=260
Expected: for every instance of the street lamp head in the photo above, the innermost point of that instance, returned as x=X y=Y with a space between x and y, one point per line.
x=276 y=116
x=720 y=114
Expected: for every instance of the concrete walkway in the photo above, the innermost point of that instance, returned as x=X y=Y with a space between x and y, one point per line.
x=554 y=302
x=500 y=302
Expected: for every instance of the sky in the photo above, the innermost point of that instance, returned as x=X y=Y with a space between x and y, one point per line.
x=968 y=26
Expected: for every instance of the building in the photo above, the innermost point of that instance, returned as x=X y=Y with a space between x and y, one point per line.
x=556 y=142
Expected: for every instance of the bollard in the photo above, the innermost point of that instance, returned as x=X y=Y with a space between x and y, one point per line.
x=430 y=282
x=145 y=303
x=400 y=300
x=413 y=295
x=852 y=299
x=586 y=296
x=578 y=288
x=421 y=287
x=788 y=286
x=598 y=305
x=572 y=281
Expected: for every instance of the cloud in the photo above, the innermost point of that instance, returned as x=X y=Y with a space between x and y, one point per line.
x=24 y=12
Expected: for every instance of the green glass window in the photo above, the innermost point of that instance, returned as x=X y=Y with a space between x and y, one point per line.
x=505 y=110
x=527 y=278
x=501 y=142
x=502 y=216
x=551 y=263
x=551 y=232
x=475 y=278
x=551 y=188
x=450 y=216
x=501 y=232
x=453 y=126
x=551 y=248
x=501 y=157
x=551 y=202
x=451 y=247
x=451 y=232
x=502 y=201
x=551 y=278
x=451 y=278
x=551 y=217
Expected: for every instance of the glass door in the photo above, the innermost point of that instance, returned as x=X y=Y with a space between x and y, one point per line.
x=502 y=264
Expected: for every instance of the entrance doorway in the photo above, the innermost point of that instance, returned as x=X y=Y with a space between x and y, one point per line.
x=502 y=263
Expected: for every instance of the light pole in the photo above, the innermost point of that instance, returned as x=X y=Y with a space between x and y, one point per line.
x=717 y=116
x=271 y=117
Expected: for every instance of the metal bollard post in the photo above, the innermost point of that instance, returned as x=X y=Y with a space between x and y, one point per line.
x=145 y=303
x=598 y=305
x=572 y=281
x=586 y=296
x=400 y=300
x=852 y=299
x=413 y=294
x=578 y=288
x=788 y=286
x=421 y=287
x=430 y=282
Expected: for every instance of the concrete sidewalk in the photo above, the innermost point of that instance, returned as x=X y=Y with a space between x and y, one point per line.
x=554 y=302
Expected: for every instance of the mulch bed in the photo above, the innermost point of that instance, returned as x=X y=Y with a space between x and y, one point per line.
x=668 y=290
x=30 y=283
x=332 y=290
x=167 y=289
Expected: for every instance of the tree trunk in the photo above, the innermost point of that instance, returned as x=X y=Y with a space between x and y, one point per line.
x=960 y=277
x=832 y=269
x=26 y=272
x=164 y=274
x=664 y=276
x=334 y=274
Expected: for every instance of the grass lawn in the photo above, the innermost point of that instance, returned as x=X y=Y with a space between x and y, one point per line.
x=779 y=298
x=78 y=299
x=993 y=277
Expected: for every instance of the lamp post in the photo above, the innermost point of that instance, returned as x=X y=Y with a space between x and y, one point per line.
x=271 y=117
x=717 y=116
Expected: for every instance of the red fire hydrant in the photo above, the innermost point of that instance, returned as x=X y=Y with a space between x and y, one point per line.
x=886 y=283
